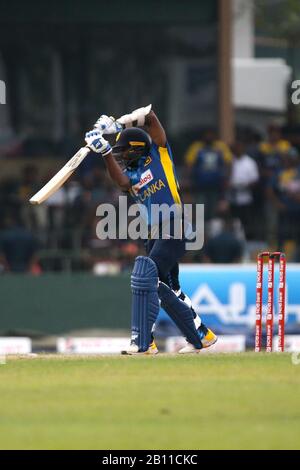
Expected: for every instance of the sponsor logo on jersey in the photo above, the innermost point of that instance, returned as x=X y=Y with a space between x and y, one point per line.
x=146 y=177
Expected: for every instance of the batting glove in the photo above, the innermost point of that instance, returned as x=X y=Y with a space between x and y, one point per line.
x=97 y=143
x=108 y=125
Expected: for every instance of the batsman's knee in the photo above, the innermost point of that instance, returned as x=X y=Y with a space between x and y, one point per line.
x=145 y=274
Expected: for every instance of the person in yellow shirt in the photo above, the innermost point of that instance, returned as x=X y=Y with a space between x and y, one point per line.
x=270 y=159
x=271 y=152
x=208 y=161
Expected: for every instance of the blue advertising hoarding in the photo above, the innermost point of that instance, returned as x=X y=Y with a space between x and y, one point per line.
x=224 y=295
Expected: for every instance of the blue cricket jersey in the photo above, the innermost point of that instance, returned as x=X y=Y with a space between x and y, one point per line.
x=154 y=181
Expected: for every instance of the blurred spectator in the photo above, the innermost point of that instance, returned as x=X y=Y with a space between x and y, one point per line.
x=225 y=247
x=34 y=216
x=251 y=138
x=244 y=177
x=270 y=160
x=56 y=206
x=216 y=226
x=271 y=151
x=284 y=194
x=29 y=183
x=18 y=247
x=11 y=145
x=60 y=221
x=208 y=161
x=9 y=200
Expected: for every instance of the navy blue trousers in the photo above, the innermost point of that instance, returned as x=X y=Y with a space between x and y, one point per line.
x=166 y=254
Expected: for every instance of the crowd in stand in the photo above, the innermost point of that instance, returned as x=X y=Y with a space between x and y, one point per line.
x=251 y=193
x=252 y=189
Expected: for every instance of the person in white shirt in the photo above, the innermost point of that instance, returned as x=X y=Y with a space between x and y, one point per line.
x=244 y=178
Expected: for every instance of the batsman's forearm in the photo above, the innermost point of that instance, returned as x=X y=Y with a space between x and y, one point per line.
x=116 y=173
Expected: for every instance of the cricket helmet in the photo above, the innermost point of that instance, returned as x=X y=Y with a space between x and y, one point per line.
x=131 y=144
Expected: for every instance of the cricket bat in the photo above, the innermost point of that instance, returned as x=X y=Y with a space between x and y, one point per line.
x=59 y=179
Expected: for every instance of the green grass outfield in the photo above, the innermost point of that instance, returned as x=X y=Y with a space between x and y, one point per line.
x=240 y=401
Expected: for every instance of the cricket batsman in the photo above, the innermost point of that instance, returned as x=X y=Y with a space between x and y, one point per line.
x=141 y=164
